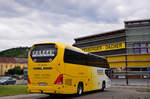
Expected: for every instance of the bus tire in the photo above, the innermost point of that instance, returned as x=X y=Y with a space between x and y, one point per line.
x=80 y=89
x=103 y=86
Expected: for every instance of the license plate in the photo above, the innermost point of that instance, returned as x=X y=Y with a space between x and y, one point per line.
x=42 y=84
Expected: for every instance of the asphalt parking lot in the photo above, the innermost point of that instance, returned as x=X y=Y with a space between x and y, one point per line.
x=118 y=82
x=115 y=92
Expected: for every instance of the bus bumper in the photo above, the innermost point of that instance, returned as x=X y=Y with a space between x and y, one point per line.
x=55 y=89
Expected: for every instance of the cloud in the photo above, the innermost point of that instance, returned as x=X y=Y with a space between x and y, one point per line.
x=10 y=9
x=25 y=22
x=73 y=8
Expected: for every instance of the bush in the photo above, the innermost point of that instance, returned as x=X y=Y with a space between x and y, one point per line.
x=16 y=70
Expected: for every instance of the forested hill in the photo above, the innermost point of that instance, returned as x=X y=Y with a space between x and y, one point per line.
x=20 y=52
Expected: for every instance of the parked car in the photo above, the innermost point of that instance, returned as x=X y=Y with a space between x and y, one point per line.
x=7 y=80
x=18 y=77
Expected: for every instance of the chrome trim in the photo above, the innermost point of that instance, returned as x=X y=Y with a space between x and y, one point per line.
x=39 y=68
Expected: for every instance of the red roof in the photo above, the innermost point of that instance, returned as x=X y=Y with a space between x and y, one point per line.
x=12 y=60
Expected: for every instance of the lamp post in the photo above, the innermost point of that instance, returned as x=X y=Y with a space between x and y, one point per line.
x=126 y=62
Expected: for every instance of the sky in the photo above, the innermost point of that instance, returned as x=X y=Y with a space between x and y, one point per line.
x=26 y=22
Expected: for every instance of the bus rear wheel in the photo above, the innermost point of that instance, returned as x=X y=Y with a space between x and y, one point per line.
x=80 y=89
x=103 y=86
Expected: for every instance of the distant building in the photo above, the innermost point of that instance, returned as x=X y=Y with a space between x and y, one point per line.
x=127 y=48
x=9 y=63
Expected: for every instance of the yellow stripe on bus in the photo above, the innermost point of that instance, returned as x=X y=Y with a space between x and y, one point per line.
x=100 y=73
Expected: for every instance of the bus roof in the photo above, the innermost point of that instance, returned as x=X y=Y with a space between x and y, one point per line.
x=62 y=45
x=69 y=46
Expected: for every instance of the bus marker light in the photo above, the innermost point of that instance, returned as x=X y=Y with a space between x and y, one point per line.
x=59 y=79
x=29 y=81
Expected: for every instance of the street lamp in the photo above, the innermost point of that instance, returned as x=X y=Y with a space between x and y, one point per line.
x=126 y=62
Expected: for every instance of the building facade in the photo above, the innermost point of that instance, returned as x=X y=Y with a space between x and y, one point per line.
x=9 y=63
x=125 y=49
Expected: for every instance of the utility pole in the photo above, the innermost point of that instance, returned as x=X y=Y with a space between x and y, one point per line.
x=126 y=62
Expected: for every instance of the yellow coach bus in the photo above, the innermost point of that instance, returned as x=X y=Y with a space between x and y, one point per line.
x=56 y=68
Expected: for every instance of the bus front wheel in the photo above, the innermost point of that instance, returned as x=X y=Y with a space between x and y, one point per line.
x=79 y=89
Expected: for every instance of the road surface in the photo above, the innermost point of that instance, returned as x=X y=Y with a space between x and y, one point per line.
x=111 y=93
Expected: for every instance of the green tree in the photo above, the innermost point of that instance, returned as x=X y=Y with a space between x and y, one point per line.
x=10 y=72
x=20 y=52
x=16 y=70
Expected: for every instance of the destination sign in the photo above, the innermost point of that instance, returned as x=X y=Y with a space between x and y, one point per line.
x=43 y=53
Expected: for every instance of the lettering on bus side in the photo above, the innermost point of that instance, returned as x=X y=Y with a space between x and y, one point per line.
x=100 y=72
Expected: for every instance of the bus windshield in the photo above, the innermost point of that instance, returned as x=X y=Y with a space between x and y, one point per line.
x=43 y=52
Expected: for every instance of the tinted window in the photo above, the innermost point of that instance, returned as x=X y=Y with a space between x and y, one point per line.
x=10 y=79
x=76 y=57
x=43 y=53
x=96 y=61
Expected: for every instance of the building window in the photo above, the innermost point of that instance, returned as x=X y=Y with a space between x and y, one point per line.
x=148 y=48
x=136 y=45
x=136 y=51
x=137 y=69
x=143 y=49
x=1 y=67
x=6 y=66
x=1 y=70
x=136 y=48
